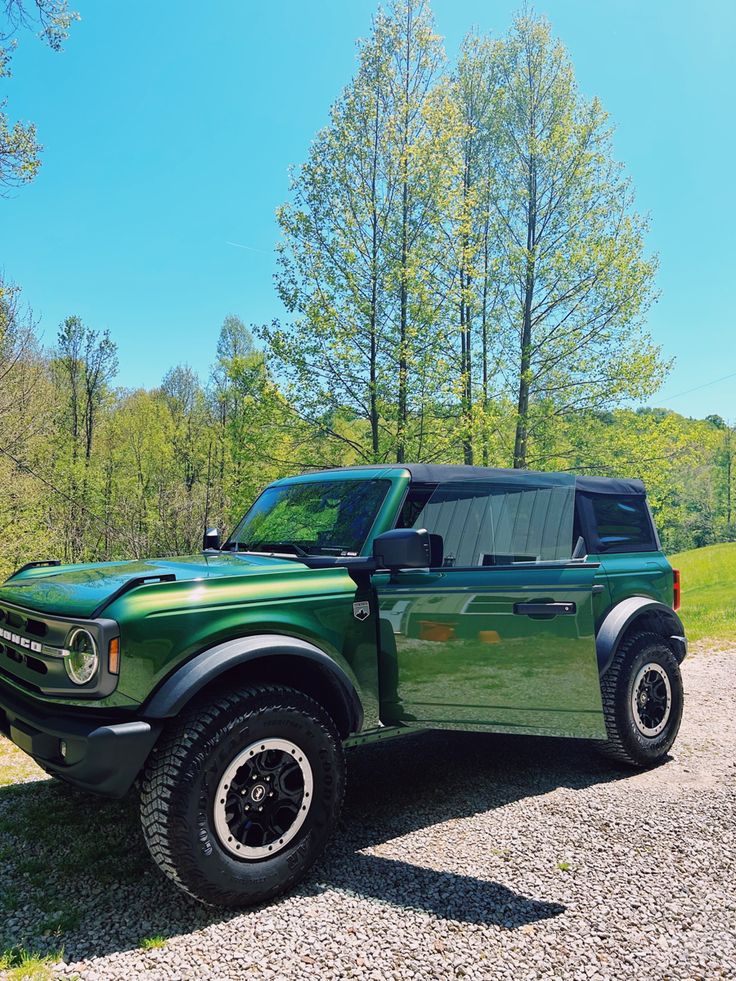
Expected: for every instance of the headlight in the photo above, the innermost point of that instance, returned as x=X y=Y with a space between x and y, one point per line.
x=82 y=661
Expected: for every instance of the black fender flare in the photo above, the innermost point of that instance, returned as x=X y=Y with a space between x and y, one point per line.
x=192 y=676
x=654 y=615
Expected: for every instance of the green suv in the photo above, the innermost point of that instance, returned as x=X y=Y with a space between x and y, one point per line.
x=347 y=606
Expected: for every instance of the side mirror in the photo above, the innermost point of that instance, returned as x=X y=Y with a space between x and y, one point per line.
x=403 y=548
x=211 y=539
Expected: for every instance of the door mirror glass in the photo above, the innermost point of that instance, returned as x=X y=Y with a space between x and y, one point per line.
x=403 y=548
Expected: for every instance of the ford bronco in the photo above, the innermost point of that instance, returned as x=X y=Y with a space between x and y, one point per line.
x=350 y=605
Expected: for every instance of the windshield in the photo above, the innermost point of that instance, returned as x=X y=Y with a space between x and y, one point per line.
x=320 y=517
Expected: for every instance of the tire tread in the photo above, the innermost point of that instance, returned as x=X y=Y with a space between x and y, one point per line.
x=165 y=836
x=614 y=748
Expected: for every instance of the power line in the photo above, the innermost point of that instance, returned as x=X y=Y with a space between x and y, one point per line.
x=699 y=387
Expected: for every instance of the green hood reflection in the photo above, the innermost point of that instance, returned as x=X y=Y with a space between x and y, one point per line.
x=78 y=590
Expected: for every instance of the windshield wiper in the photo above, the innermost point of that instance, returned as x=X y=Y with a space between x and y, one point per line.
x=267 y=547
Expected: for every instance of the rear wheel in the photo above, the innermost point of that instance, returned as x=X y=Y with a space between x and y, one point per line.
x=242 y=795
x=642 y=701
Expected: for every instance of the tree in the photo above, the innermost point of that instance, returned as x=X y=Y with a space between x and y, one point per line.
x=183 y=395
x=361 y=249
x=20 y=370
x=576 y=280
x=725 y=474
x=257 y=435
x=53 y=18
x=238 y=375
x=417 y=59
x=19 y=149
x=332 y=275
x=26 y=407
x=87 y=362
x=238 y=380
x=471 y=228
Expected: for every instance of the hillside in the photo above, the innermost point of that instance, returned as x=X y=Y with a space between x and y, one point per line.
x=708 y=590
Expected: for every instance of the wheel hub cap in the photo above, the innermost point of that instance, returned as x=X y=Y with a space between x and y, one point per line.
x=263 y=799
x=651 y=700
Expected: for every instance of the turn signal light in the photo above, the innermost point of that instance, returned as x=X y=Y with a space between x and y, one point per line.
x=676 y=589
x=113 y=656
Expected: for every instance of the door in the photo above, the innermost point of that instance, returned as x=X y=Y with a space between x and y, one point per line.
x=499 y=634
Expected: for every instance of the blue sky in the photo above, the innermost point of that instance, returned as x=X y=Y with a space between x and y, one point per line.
x=169 y=135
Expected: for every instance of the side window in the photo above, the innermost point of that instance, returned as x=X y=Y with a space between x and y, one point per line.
x=623 y=523
x=502 y=521
x=414 y=503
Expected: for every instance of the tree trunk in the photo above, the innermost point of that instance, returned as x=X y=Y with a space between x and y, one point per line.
x=522 y=409
x=465 y=325
x=402 y=407
x=403 y=325
x=484 y=336
x=373 y=379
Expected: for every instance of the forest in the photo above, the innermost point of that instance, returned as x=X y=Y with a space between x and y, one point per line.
x=465 y=278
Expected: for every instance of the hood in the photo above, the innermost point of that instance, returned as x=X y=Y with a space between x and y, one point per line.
x=78 y=590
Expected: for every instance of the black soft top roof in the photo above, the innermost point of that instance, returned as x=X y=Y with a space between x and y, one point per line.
x=435 y=473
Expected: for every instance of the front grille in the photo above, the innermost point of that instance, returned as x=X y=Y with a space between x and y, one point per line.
x=22 y=633
x=33 y=652
x=36 y=627
x=24 y=655
x=32 y=663
x=26 y=685
x=35 y=665
x=14 y=620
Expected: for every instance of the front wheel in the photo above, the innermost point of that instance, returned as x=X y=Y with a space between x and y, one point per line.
x=241 y=796
x=642 y=701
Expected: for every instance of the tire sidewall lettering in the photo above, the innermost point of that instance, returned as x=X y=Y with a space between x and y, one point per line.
x=193 y=803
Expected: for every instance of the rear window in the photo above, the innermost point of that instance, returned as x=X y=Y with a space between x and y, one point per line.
x=623 y=524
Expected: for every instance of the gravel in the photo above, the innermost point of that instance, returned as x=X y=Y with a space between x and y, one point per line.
x=459 y=856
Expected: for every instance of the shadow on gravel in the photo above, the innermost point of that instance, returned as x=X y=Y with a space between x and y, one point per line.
x=443 y=894
x=75 y=873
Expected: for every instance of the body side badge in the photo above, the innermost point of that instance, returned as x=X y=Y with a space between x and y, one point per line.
x=362 y=610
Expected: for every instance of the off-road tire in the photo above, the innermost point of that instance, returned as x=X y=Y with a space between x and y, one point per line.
x=182 y=777
x=626 y=743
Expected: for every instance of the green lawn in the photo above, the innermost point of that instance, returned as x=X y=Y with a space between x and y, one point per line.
x=708 y=591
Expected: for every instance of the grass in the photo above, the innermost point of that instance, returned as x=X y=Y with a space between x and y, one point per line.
x=19 y=964
x=708 y=591
x=18 y=769
x=151 y=943
x=55 y=844
x=60 y=921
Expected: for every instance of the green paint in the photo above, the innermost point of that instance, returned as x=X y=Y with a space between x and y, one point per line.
x=444 y=647
x=465 y=659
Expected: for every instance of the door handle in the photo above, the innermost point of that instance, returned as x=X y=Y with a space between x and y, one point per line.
x=541 y=609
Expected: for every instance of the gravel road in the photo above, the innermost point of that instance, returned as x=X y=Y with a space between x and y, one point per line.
x=476 y=857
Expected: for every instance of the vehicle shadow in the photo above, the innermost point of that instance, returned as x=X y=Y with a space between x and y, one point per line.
x=70 y=862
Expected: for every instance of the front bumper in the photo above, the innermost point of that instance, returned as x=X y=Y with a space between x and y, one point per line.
x=102 y=756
